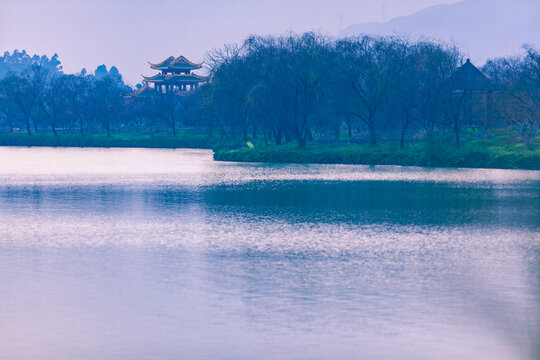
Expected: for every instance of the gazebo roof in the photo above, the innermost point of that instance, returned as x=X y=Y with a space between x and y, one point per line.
x=179 y=63
x=468 y=77
x=175 y=78
x=162 y=65
x=144 y=92
x=182 y=63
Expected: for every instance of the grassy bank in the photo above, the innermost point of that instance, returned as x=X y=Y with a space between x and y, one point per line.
x=183 y=139
x=497 y=152
x=488 y=153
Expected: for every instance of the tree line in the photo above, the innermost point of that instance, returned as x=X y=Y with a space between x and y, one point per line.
x=298 y=87
x=35 y=95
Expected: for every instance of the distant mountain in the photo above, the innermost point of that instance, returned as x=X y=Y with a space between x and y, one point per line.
x=481 y=28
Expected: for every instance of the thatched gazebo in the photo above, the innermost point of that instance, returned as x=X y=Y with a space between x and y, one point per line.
x=475 y=91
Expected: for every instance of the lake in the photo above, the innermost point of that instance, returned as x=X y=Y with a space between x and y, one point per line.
x=166 y=254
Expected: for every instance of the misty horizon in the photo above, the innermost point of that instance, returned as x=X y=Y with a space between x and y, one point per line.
x=128 y=35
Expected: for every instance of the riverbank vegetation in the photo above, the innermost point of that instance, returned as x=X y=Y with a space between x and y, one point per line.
x=185 y=138
x=485 y=153
x=297 y=98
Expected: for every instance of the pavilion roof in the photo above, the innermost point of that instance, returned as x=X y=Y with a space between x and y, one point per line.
x=182 y=63
x=155 y=78
x=179 y=63
x=162 y=65
x=175 y=78
x=144 y=92
x=469 y=77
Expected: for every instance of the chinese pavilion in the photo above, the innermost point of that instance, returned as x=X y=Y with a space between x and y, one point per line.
x=176 y=75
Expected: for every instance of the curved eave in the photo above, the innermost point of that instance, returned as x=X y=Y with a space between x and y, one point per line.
x=176 y=79
x=184 y=59
x=166 y=61
x=157 y=67
x=184 y=67
x=158 y=77
x=146 y=91
x=194 y=76
x=141 y=93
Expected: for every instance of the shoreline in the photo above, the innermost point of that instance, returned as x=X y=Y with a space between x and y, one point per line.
x=472 y=156
x=159 y=141
x=478 y=154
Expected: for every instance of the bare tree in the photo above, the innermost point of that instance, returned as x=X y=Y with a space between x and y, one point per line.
x=517 y=101
x=18 y=90
x=366 y=65
x=8 y=108
x=107 y=99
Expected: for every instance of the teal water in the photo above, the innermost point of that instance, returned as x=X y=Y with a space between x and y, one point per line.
x=166 y=254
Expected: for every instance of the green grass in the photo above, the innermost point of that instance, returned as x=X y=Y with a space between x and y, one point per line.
x=496 y=152
x=184 y=139
x=489 y=153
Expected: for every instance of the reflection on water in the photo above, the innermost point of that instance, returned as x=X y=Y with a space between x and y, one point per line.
x=165 y=254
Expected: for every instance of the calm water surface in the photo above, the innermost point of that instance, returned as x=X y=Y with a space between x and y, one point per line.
x=165 y=254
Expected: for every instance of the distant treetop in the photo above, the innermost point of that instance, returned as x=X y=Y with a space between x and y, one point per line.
x=19 y=62
x=101 y=72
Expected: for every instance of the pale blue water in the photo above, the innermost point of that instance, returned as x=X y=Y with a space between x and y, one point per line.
x=165 y=254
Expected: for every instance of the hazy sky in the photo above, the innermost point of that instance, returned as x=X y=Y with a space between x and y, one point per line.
x=128 y=33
